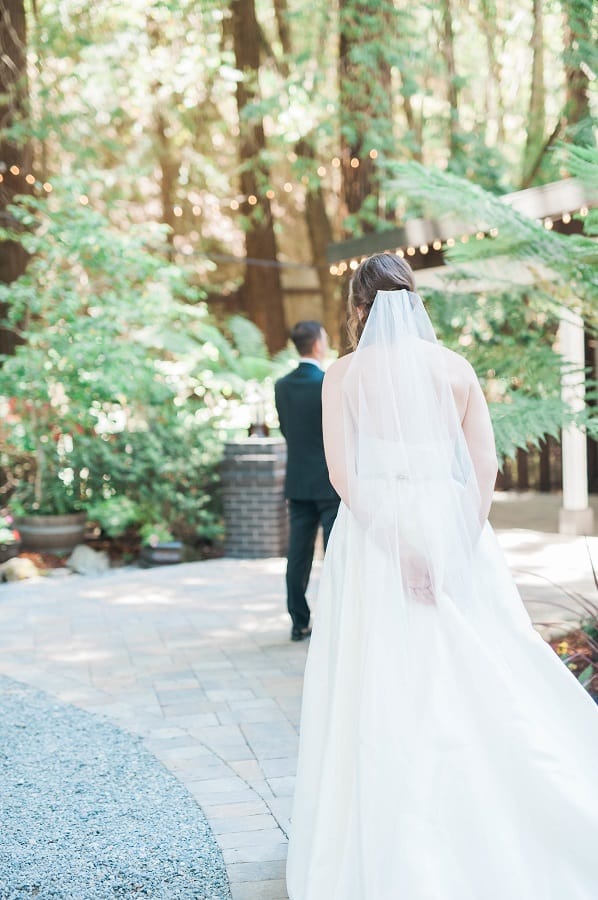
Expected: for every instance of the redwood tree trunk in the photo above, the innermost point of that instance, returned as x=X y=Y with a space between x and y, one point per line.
x=13 y=107
x=365 y=98
x=578 y=57
x=537 y=101
x=262 y=291
x=320 y=235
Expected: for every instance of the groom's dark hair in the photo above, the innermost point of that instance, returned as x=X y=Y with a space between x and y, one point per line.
x=304 y=335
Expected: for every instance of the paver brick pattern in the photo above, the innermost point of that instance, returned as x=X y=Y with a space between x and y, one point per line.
x=195 y=659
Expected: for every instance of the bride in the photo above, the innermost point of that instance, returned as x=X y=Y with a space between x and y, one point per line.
x=446 y=753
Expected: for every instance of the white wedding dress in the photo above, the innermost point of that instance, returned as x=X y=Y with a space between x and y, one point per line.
x=446 y=753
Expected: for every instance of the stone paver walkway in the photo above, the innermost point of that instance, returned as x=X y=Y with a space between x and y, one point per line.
x=196 y=659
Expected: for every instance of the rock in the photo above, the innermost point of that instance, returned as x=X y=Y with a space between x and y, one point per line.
x=18 y=569
x=86 y=561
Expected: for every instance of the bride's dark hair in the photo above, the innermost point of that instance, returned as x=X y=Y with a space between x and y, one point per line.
x=381 y=272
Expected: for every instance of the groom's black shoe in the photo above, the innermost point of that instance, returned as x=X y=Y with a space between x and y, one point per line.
x=299 y=634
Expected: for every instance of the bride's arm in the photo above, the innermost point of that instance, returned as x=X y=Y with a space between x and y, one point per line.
x=479 y=436
x=333 y=429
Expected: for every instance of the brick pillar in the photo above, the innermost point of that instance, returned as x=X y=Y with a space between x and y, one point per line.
x=255 y=514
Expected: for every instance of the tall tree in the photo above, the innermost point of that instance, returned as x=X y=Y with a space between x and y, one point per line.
x=536 y=119
x=579 y=58
x=365 y=100
x=452 y=84
x=262 y=290
x=15 y=155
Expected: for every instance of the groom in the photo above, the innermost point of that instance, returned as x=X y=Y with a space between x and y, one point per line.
x=312 y=499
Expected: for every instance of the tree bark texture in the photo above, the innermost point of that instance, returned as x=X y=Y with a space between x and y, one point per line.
x=579 y=58
x=365 y=97
x=13 y=107
x=262 y=290
x=536 y=119
x=320 y=235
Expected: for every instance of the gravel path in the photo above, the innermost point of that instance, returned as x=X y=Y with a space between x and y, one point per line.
x=86 y=813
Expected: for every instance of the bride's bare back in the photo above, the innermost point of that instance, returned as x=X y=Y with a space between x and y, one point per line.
x=469 y=401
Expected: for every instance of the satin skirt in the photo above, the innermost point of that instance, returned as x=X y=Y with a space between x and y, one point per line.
x=446 y=753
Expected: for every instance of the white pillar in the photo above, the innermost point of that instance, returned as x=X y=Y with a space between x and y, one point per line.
x=575 y=516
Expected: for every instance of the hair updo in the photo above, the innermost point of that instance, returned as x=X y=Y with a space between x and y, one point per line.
x=380 y=272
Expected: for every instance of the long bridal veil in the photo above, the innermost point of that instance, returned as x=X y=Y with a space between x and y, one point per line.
x=446 y=753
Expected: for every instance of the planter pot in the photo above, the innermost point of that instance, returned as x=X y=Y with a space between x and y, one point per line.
x=52 y=533
x=163 y=554
x=8 y=551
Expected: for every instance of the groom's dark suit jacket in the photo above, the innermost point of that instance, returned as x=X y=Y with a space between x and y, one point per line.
x=299 y=404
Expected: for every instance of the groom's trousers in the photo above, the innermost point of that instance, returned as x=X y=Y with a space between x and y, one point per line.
x=304 y=518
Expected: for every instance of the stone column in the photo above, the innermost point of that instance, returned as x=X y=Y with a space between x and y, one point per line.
x=575 y=516
x=255 y=514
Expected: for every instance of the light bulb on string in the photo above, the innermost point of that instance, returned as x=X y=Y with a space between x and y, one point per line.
x=47 y=187
x=548 y=224
x=30 y=179
x=450 y=242
x=583 y=210
x=353 y=265
x=333 y=270
x=437 y=245
x=14 y=170
x=410 y=251
x=336 y=162
x=479 y=236
x=83 y=200
x=493 y=232
x=464 y=238
x=566 y=218
x=321 y=171
x=178 y=211
x=400 y=253
x=288 y=187
x=424 y=249
x=373 y=154
x=270 y=194
x=354 y=163
x=252 y=200
x=196 y=210
x=234 y=204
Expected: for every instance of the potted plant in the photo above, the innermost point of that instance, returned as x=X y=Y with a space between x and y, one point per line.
x=10 y=539
x=158 y=546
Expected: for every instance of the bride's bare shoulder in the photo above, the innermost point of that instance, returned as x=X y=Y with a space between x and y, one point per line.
x=338 y=368
x=457 y=365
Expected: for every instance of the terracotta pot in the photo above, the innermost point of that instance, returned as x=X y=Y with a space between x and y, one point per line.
x=51 y=533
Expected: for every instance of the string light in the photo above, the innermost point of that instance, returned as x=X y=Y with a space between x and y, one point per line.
x=270 y=194
x=450 y=242
x=424 y=249
x=178 y=211
x=321 y=171
x=479 y=236
x=353 y=265
x=583 y=210
x=336 y=162
x=234 y=204
x=566 y=218
x=437 y=245
x=83 y=200
x=410 y=251
x=373 y=154
x=400 y=253
x=354 y=163
x=252 y=200
x=47 y=187
x=464 y=238
x=30 y=179
x=288 y=187
x=548 y=224
x=14 y=170
x=493 y=232
x=334 y=270
x=196 y=210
